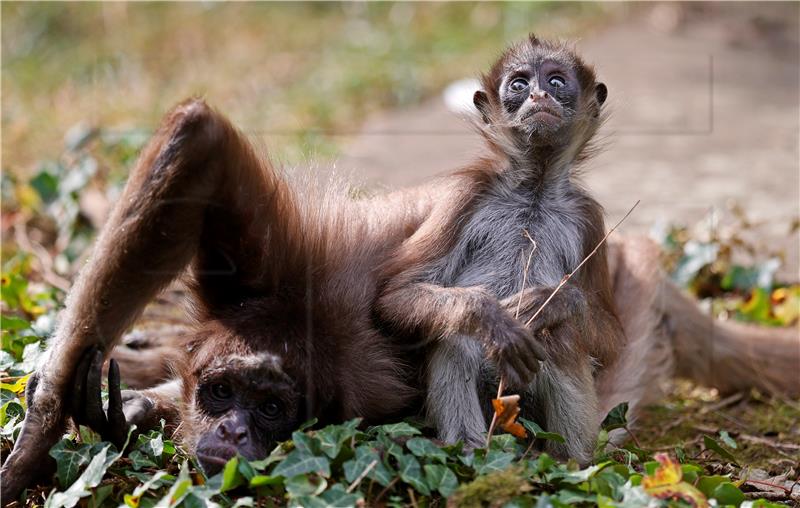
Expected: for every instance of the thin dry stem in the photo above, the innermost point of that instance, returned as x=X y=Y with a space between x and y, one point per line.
x=525 y=273
x=569 y=275
x=363 y=474
x=500 y=388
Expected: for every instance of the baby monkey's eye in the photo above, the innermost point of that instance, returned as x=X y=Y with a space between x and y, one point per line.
x=518 y=85
x=557 y=82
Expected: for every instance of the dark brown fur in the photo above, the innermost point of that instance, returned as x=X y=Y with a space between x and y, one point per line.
x=294 y=289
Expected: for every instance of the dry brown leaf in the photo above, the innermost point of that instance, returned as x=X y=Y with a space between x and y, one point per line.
x=506 y=410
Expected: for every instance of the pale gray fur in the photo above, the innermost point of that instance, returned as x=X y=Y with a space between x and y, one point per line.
x=453 y=406
x=564 y=405
x=487 y=253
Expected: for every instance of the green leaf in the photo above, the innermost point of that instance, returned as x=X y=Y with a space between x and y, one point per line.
x=616 y=418
x=231 y=477
x=11 y=411
x=140 y=460
x=441 y=478
x=727 y=494
x=424 y=448
x=338 y=497
x=365 y=456
x=299 y=462
x=712 y=445
x=307 y=425
x=707 y=484
x=305 y=443
x=45 y=184
x=505 y=442
x=133 y=499
x=332 y=437
x=70 y=456
x=90 y=478
x=396 y=430
x=539 y=433
x=179 y=489
x=305 y=485
x=261 y=480
x=495 y=460
x=411 y=473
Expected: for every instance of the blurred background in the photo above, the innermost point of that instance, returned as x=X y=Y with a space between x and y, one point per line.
x=704 y=125
x=704 y=128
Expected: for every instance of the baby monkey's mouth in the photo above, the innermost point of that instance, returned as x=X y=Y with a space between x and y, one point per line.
x=541 y=110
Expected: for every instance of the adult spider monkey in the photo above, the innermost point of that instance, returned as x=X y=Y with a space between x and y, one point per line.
x=306 y=300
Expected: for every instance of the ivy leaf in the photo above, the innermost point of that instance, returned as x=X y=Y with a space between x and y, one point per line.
x=395 y=430
x=90 y=478
x=495 y=460
x=70 y=456
x=305 y=443
x=711 y=444
x=332 y=437
x=617 y=418
x=441 y=478
x=140 y=460
x=179 y=489
x=337 y=496
x=424 y=448
x=411 y=473
x=539 y=433
x=133 y=499
x=300 y=462
x=305 y=485
x=365 y=456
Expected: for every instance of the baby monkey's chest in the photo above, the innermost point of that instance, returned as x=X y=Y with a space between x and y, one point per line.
x=495 y=249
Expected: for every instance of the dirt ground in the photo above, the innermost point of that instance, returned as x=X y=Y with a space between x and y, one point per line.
x=705 y=113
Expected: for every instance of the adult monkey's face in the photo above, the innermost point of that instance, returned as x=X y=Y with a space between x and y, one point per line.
x=242 y=404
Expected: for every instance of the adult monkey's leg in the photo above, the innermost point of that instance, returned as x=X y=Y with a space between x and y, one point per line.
x=196 y=175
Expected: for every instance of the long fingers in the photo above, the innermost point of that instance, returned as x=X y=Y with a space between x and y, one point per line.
x=95 y=416
x=117 y=426
x=78 y=404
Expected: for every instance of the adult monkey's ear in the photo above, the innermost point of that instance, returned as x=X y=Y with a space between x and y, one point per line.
x=601 y=92
x=481 y=101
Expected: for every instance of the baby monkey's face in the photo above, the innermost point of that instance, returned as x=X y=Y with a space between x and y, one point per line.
x=540 y=98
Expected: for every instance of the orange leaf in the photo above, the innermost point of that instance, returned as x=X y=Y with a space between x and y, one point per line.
x=666 y=483
x=507 y=409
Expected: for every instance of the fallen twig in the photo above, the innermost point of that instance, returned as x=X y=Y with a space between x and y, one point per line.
x=362 y=476
x=500 y=388
x=566 y=278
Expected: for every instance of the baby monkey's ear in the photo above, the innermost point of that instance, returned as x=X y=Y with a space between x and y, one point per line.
x=601 y=92
x=481 y=101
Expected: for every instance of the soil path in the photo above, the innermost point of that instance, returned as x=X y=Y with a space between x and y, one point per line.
x=705 y=112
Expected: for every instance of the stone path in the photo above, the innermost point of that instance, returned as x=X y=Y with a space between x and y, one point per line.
x=705 y=112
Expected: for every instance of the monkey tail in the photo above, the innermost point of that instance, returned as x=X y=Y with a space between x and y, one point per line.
x=669 y=336
x=727 y=355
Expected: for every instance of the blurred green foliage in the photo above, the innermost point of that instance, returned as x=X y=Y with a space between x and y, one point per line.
x=278 y=69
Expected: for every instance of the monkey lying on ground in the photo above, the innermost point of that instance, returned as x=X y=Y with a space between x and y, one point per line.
x=308 y=303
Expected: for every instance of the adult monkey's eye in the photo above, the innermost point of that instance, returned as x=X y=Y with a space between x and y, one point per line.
x=557 y=82
x=518 y=85
x=221 y=391
x=271 y=410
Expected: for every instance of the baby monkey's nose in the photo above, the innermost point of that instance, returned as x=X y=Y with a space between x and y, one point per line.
x=539 y=95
